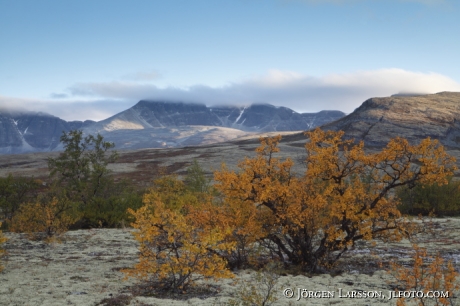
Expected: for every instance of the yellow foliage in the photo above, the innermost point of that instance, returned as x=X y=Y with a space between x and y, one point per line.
x=343 y=196
x=52 y=218
x=241 y=228
x=427 y=274
x=174 y=252
x=2 y=240
x=172 y=192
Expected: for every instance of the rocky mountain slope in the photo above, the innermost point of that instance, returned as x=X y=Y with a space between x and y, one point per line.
x=156 y=124
x=253 y=118
x=33 y=132
x=378 y=120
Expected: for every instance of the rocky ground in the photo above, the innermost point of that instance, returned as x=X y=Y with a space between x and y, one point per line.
x=85 y=270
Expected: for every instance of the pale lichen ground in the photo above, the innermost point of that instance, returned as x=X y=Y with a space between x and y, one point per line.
x=84 y=269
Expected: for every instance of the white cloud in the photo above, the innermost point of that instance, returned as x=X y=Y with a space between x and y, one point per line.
x=68 y=110
x=303 y=93
x=285 y=88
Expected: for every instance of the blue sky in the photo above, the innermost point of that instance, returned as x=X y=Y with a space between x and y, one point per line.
x=91 y=59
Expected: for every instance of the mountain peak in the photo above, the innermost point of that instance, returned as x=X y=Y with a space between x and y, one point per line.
x=158 y=123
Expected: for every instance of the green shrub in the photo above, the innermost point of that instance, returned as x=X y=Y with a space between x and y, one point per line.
x=80 y=173
x=14 y=191
x=442 y=200
x=110 y=209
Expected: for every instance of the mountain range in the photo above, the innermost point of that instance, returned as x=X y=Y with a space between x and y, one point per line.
x=376 y=121
x=157 y=124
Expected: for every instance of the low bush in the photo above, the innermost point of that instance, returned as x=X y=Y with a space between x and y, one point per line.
x=2 y=240
x=173 y=252
x=441 y=200
x=110 y=208
x=15 y=191
x=427 y=274
x=48 y=218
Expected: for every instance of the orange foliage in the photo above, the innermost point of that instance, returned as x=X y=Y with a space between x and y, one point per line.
x=242 y=227
x=428 y=274
x=49 y=217
x=174 y=252
x=343 y=196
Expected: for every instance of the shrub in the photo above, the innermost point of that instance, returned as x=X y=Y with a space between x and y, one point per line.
x=109 y=208
x=427 y=274
x=196 y=180
x=442 y=200
x=51 y=218
x=2 y=240
x=344 y=195
x=170 y=190
x=14 y=191
x=174 y=253
x=81 y=170
x=243 y=226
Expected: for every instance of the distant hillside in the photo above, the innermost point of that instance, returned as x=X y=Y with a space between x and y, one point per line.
x=413 y=117
x=33 y=132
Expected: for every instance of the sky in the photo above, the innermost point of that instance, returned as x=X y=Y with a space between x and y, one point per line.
x=90 y=59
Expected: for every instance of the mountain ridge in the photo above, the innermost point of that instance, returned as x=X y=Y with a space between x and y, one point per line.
x=155 y=124
x=414 y=117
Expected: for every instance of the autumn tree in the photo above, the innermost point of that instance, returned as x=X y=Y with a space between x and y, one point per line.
x=428 y=274
x=49 y=218
x=243 y=226
x=345 y=194
x=174 y=250
x=172 y=192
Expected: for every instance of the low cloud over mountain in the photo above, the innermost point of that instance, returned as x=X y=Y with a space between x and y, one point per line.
x=283 y=88
x=300 y=92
